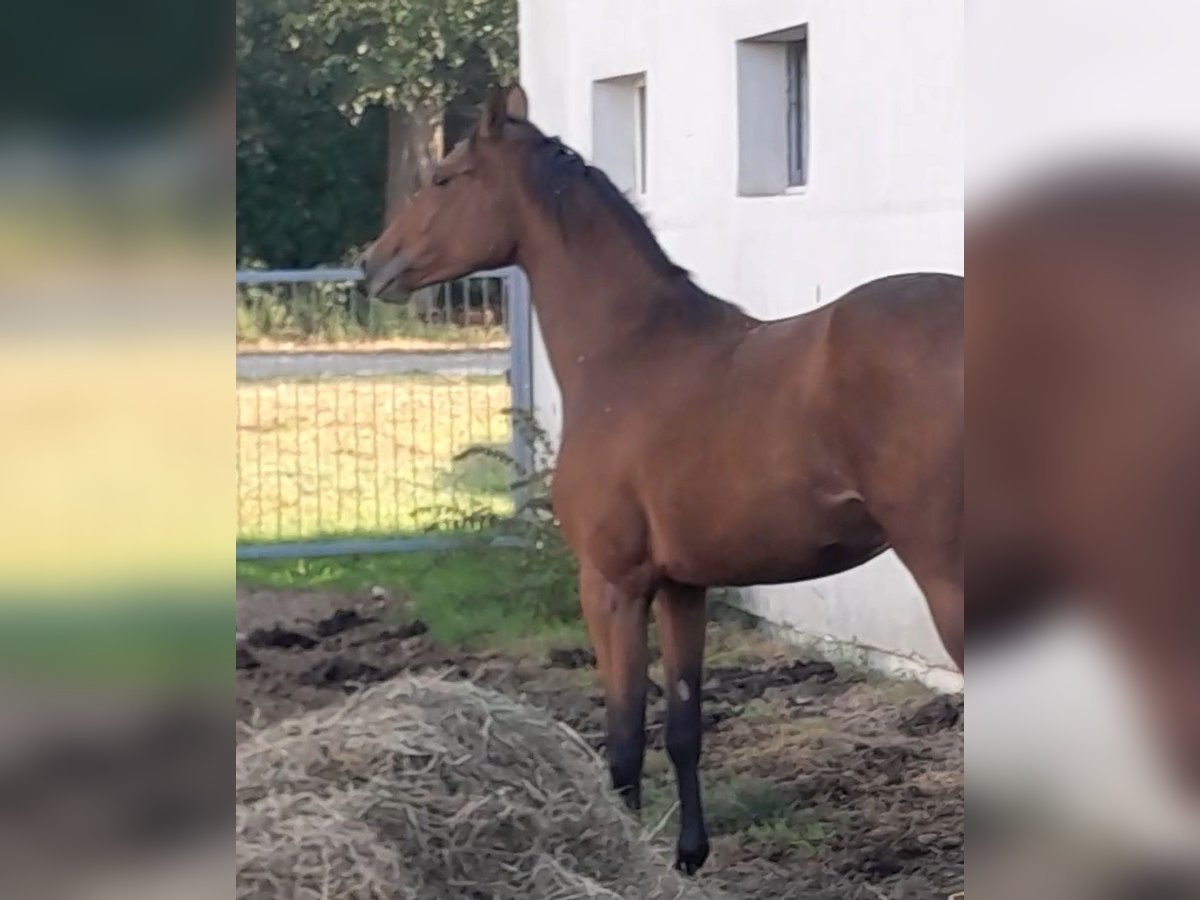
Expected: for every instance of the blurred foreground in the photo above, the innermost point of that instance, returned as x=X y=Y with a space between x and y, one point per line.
x=116 y=378
x=1083 y=359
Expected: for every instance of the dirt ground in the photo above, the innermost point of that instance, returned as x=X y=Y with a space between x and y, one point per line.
x=820 y=784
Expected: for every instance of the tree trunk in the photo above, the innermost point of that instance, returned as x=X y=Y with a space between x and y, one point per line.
x=414 y=147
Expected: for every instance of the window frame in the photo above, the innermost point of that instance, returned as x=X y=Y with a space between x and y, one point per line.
x=620 y=143
x=774 y=118
x=641 y=140
x=797 y=111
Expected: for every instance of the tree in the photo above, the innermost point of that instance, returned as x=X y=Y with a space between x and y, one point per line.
x=310 y=183
x=416 y=58
x=342 y=105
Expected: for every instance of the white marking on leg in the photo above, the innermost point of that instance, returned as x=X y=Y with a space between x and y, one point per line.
x=682 y=690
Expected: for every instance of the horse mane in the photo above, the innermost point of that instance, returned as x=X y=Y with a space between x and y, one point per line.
x=558 y=177
x=562 y=183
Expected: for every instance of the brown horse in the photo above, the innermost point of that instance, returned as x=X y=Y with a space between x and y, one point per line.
x=1084 y=429
x=700 y=446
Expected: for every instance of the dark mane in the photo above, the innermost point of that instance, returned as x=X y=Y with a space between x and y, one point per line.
x=561 y=181
x=557 y=176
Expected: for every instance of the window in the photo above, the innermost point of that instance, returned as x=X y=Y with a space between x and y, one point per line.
x=773 y=112
x=619 y=143
x=797 y=69
x=640 y=181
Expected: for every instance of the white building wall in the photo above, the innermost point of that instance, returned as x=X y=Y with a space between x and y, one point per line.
x=884 y=194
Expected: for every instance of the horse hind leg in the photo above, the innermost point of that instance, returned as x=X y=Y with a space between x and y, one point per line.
x=937 y=567
x=945 y=596
x=922 y=520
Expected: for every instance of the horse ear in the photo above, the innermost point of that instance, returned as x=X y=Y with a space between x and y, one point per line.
x=494 y=113
x=517 y=104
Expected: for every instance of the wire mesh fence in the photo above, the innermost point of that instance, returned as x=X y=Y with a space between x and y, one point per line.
x=352 y=415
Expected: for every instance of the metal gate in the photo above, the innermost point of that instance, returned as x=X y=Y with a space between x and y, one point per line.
x=353 y=415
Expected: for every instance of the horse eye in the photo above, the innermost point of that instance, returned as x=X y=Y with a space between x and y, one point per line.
x=440 y=179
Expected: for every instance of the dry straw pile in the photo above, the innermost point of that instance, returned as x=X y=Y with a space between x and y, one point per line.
x=423 y=788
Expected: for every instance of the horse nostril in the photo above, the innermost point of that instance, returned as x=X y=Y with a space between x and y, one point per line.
x=364 y=260
x=379 y=275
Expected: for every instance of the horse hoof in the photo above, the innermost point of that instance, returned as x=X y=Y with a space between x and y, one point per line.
x=686 y=867
x=689 y=861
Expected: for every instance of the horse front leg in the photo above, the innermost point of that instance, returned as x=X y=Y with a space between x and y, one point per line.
x=616 y=622
x=681 y=617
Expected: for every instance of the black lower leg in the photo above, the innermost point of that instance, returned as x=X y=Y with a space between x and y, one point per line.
x=683 y=739
x=626 y=745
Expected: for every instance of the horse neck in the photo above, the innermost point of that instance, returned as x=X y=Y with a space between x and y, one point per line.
x=599 y=298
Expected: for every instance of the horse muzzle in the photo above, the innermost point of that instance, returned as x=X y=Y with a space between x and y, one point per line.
x=381 y=277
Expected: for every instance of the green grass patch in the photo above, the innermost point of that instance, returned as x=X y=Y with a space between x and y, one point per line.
x=321 y=316
x=762 y=815
x=150 y=639
x=737 y=802
x=480 y=471
x=786 y=836
x=755 y=810
x=502 y=598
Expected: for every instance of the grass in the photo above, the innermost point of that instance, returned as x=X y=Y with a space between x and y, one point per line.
x=360 y=455
x=339 y=316
x=513 y=600
x=481 y=472
x=742 y=802
x=153 y=637
x=752 y=810
x=418 y=339
x=415 y=337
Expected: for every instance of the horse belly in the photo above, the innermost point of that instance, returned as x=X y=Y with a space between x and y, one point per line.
x=782 y=539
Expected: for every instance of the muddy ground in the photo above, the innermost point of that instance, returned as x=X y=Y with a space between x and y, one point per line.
x=821 y=784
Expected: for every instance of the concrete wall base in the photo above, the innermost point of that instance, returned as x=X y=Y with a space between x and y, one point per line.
x=847 y=653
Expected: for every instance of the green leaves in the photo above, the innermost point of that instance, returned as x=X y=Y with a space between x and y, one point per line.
x=417 y=48
x=312 y=145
